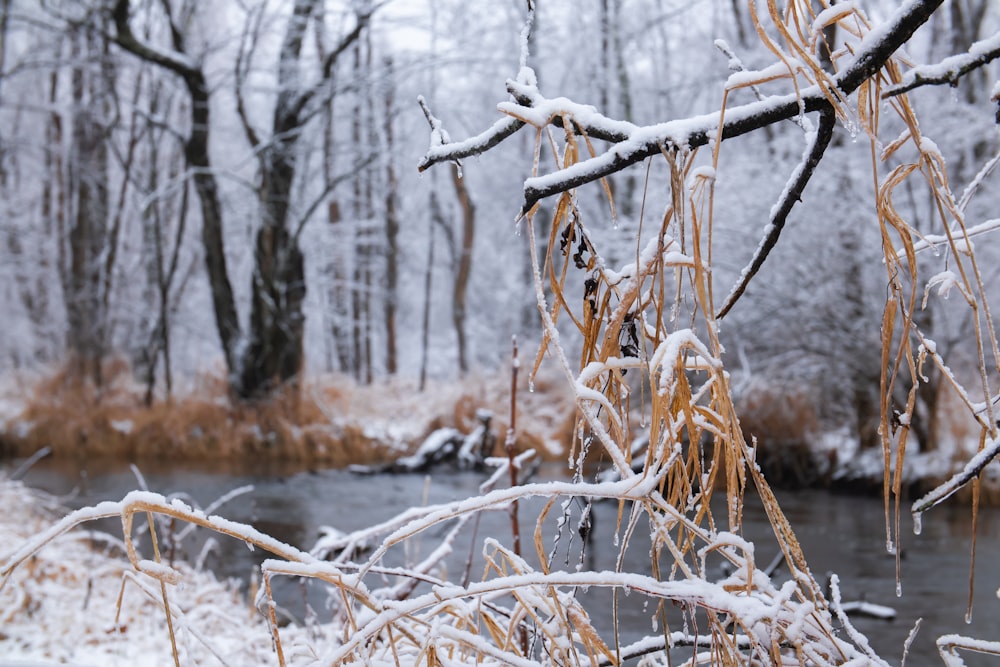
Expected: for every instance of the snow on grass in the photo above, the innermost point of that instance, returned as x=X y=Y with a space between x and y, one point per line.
x=61 y=604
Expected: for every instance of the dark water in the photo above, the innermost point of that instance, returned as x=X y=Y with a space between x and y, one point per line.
x=841 y=534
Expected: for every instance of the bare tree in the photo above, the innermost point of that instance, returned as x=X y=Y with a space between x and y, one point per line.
x=270 y=353
x=89 y=250
x=391 y=304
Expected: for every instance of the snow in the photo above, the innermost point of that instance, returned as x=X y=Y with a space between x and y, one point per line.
x=951 y=68
x=670 y=350
x=61 y=606
x=947 y=644
x=541 y=110
x=123 y=426
x=832 y=14
x=429 y=448
x=944 y=281
x=776 y=70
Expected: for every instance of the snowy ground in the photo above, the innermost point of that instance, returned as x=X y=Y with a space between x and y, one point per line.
x=59 y=607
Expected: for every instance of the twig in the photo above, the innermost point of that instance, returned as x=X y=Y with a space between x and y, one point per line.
x=163 y=592
x=779 y=216
x=515 y=527
x=958 y=480
x=29 y=462
x=509 y=446
x=949 y=70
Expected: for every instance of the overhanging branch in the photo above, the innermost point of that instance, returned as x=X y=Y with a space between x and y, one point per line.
x=779 y=216
x=873 y=52
x=949 y=70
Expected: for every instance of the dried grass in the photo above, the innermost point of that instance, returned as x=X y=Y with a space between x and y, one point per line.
x=783 y=425
x=331 y=420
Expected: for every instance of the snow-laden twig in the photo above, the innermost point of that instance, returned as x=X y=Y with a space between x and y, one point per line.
x=949 y=70
x=141 y=502
x=933 y=240
x=948 y=646
x=972 y=468
x=816 y=147
x=852 y=632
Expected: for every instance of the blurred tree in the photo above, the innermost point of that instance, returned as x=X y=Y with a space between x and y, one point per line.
x=90 y=239
x=271 y=352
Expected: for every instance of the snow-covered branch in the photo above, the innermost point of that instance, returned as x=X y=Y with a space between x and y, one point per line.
x=949 y=70
x=779 y=214
x=630 y=148
x=972 y=469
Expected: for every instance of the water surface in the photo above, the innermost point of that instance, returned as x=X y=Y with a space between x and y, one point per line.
x=838 y=533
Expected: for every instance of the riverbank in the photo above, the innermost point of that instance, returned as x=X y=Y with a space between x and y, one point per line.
x=329 y=420
x=62 y=605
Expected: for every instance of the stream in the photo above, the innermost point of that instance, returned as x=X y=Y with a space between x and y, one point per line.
x=838 y=533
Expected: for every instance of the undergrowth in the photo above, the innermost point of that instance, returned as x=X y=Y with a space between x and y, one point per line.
x=328 y=420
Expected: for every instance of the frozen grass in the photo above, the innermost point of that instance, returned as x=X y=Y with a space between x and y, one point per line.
x=78 y=601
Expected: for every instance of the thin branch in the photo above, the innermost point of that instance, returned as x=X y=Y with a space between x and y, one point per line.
x=779 y=215
x=976 y=464
x=330 y=187
x=949 y=70
x=361 y=22
x=874 y=51
x=244 y=55
x=443 y=150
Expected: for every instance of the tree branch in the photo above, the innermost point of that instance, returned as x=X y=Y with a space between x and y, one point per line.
x=779 y=216
x=244 y=55
x=330 y=186
x=361 y=22
x=175 y=62
x=949 y=70
x=638 y=144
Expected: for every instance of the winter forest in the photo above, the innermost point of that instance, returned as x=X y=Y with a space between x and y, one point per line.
x=738 y=247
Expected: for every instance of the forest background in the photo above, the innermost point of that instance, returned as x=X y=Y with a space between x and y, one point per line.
x=214 y=230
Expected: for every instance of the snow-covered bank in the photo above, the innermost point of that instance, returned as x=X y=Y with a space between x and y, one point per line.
x=61 y=606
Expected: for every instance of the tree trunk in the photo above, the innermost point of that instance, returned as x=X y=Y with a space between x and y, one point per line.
x=436 y=218
x=391 y=233
x=337 y=311
x=464 y=268
x=274 y=352
x=88 y=171
x=615 y=84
